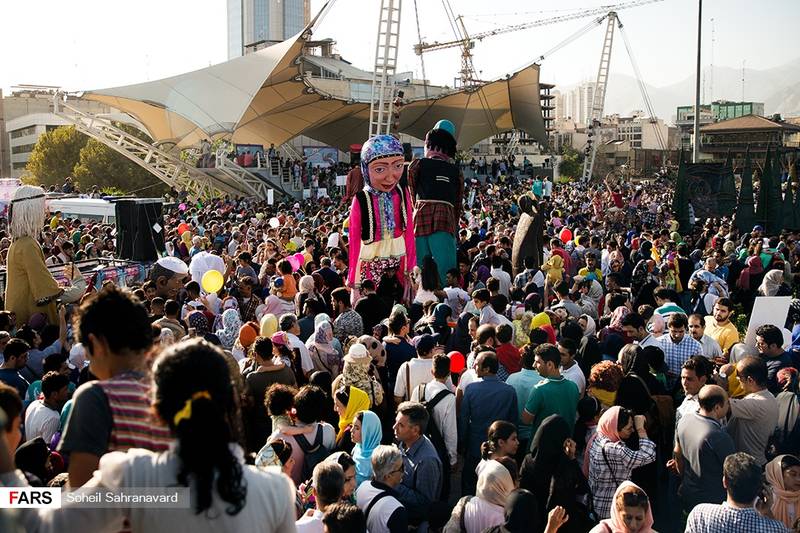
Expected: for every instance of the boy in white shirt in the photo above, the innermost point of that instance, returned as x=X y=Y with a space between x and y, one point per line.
x=569 y=368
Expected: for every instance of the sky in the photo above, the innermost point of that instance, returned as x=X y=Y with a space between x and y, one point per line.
x=86 y=44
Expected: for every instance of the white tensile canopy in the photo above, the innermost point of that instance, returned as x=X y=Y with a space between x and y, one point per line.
x=264 y=98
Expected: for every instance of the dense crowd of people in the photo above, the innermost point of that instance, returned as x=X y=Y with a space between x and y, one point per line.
x=601 y=386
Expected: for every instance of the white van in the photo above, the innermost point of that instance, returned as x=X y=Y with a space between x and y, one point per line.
x=84 y=209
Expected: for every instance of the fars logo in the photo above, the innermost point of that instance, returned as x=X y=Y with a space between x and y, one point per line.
x=30 y=497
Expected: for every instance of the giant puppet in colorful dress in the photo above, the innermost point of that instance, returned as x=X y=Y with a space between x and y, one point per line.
x=436 y=183
x=381 y=226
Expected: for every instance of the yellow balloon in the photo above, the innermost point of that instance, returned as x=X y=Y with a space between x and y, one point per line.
x=212 y=281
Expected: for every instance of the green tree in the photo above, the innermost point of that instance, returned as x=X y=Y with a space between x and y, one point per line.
x=571 y=164
x=55 y=155
x=101 y=166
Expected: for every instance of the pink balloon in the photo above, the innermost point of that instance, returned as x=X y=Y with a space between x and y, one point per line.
x=293 y=261
x=301 y=259
x=182 y=207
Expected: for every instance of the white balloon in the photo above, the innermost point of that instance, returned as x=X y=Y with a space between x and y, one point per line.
x=202 y=262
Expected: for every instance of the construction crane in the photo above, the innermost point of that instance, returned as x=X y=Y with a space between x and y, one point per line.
x=467 y=42
x=599 y=96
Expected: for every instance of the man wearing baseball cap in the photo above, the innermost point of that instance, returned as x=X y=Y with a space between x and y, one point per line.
x=418 y=370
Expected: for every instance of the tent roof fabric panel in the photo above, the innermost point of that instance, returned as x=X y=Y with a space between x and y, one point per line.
x=214 y=99
x=262 y=98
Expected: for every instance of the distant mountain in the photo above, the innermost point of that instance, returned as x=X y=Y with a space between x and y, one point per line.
x=778 y=88
x=786 y=101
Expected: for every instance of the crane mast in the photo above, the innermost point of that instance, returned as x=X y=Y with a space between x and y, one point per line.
x=383 y=75
x=599 y=96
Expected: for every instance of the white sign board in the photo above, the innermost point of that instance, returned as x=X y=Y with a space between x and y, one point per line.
x=270 y=196
x=341 y=181
x=767 y=310
x=306 y=194
x=322 y=192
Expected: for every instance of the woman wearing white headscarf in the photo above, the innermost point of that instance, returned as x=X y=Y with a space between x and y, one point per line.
x=305 y=290
x=588 y=324
x=322 y=351
x=324 y=317
x=167 y=338
x=773 y=285
x=486 y=509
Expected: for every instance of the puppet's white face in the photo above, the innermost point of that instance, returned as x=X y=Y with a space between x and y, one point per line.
x=384 y=173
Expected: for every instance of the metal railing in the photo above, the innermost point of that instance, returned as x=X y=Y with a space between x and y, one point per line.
x=164 y=166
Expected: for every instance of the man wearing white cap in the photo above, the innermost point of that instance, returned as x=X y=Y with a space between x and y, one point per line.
x=168 y=274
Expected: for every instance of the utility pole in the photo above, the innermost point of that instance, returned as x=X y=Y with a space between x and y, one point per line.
x=711 y=81
x=696 y=147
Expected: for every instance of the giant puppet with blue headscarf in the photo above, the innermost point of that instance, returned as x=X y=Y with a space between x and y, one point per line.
x=436 y=183
x=381 y=226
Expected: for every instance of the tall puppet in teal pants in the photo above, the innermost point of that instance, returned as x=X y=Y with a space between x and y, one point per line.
x=437 y=187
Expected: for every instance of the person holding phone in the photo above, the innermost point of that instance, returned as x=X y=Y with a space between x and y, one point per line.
x=610 y=461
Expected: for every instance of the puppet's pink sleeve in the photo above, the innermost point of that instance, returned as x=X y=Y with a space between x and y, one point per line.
x=354 y=247
x=411 y=245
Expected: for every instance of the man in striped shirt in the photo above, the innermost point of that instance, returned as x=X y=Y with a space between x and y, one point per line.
x=114 y=412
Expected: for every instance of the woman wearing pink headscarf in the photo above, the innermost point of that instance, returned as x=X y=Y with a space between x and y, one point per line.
x=610 y=461
x=783 y=476
x=630 y=512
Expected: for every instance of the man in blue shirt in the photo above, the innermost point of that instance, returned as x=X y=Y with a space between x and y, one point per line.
x=398 y=349
x=522 y=382
x=422 y=469
x=16 y=356
x=769 y=342
x=538 y=187
x=484 y=402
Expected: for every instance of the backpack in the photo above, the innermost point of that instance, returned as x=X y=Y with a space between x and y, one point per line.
x=437 y=439
x=785 y=439
x=313 y=454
